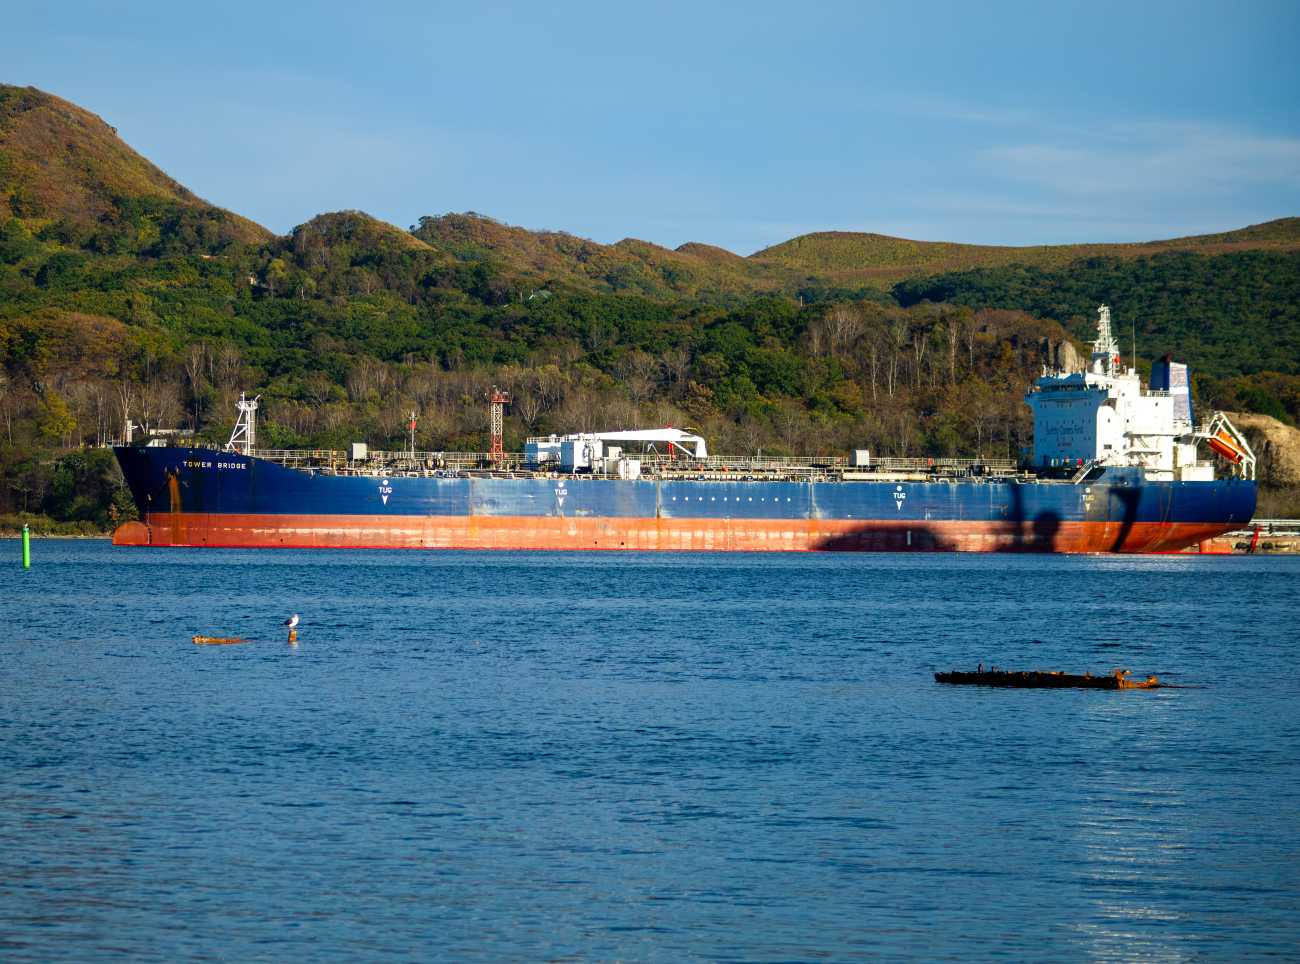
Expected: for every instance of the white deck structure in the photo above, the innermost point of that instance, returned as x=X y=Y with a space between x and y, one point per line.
x=1105 y=417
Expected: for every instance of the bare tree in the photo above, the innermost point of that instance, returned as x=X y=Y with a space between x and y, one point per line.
x=318 y=389
x=581 y=412
x=676 y=364
x=527 y=406
x=816 y=341
x=952 y=335
x=195 y=362
x=158 y=403
x=792 y=426
x=903 y=431
x=598 y=338
x=750 y=433
x=228 y=364
x=642 y=364
x=897 y=335
x=981 y=412
x=640 y=389
x=365 y=377
x=125 y=392
x=844 y=326
x=920 y=339
x=7 y=407
x=437 y=424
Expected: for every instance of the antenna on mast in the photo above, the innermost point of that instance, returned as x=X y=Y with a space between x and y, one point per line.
x=1105 y=351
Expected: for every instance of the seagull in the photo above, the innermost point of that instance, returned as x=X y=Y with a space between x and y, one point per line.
x=292 y=621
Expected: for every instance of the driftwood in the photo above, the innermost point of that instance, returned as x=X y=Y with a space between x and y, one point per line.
x=1049 y=680
x=218 y=639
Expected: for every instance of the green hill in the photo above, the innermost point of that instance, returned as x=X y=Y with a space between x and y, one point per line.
x=70 y=180
x=830 y=265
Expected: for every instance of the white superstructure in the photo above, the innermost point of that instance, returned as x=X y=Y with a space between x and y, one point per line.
x=1105 y=417
x=588 y=451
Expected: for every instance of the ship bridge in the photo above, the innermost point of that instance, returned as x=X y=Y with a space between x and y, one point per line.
x=1105 y=417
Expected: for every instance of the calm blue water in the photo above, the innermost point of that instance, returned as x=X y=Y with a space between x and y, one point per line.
x=643 y=757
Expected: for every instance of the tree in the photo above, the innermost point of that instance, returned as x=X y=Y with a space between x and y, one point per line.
x=195 y=361
x=57 y=424
x=527 y=406
x=897 y=333
x=982 y=410
x=228 y=364
x=676 y=364
x=125 y=393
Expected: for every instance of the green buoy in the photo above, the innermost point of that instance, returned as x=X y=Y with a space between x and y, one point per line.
x=27 y=547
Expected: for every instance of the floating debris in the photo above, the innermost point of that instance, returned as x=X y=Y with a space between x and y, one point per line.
x=1053 y=679
x=218 y=639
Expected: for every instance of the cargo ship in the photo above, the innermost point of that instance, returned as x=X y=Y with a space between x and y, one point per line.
x=1115 y=467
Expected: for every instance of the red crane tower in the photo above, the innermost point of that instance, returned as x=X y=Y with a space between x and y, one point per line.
x=498 y=400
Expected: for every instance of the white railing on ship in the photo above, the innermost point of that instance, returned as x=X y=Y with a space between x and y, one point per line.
x=380 y=461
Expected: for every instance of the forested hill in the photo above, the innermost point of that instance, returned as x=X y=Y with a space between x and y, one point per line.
x=829 y=265
x=73 y=182
x=123 y=296
x=1237 y=312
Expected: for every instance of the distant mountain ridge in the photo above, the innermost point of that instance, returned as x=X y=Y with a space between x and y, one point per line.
x=841 y=263
x=71 y=181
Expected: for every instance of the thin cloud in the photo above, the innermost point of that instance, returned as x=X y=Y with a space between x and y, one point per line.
x=1153 y=159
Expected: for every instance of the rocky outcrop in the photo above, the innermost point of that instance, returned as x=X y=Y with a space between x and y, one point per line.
x=1063 y=356
x=1277 y=446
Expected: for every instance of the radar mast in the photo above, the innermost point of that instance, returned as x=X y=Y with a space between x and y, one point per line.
x=1105 y=350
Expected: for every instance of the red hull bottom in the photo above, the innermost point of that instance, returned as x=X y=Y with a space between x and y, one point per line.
x=483 y=532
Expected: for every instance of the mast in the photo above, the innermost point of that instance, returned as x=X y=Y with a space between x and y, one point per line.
x=1105 y=350
x=498 y=401
x=244 y=435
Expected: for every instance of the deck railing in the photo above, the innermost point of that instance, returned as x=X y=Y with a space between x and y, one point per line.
x=423 y=463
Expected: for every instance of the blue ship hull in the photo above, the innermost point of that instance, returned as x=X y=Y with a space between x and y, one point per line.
x=204 y=497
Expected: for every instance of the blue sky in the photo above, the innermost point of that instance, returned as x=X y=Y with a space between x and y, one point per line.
x=740 y=125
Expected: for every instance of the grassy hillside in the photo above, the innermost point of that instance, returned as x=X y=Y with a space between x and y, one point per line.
x=556 y=259
x=846 y=254
x=72 y=181
x=826 y=266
